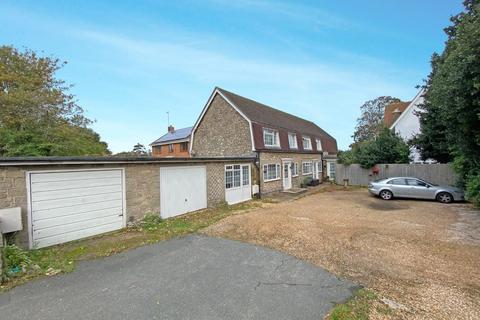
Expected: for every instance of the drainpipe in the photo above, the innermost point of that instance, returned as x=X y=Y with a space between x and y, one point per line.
x=257 y=165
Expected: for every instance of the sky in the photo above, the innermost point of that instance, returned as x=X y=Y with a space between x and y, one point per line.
x=133 y=61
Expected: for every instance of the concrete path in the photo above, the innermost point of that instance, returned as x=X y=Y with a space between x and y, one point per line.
x=195 y=277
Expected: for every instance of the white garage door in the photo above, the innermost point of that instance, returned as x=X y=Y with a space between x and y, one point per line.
x=182 y=190
x=69 y=205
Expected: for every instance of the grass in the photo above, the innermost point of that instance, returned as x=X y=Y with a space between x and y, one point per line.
x=359 y=307
x=23 y=265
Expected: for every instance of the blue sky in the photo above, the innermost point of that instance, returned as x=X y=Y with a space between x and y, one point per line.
x=132 y=61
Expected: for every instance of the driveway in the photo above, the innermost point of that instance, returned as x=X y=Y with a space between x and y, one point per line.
x=195 y=277
x=423 y=255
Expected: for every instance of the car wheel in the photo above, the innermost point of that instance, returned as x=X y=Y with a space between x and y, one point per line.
x=386 y=194
x=444 y=197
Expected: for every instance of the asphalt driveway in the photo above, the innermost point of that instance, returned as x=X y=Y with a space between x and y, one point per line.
x=196 y=277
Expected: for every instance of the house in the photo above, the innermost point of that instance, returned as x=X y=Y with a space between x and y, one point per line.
x=287 y=148
x=175 y=143
x=402 y=118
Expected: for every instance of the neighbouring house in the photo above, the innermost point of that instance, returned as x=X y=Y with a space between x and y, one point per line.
x=175 y=143
x=287 y=148
x=402 y=118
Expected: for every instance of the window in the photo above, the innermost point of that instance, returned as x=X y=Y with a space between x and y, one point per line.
x=331 y=165
x=307 y=168
x=245 y=175
x=232 y=176
x=170 y=148
x=271 y=172
x=319 y=166
x=184 y=146
x=319 y=144
x=417 y=183
x=307 y=144
x=292 y=141
x=398 y=182
x=295 y=169
x=270 y=138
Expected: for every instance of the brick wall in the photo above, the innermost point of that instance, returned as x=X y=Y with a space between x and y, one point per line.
x=178 y=151
x=142 y=183
x=222 y=132
x=276 y=157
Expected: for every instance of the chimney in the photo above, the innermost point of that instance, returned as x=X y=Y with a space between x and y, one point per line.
x=396 y=113
x=171 y=129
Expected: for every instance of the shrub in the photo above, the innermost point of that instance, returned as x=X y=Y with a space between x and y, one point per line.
x=16 y=261
x=473 y=189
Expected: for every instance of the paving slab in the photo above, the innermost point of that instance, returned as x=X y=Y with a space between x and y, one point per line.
x=195 y=277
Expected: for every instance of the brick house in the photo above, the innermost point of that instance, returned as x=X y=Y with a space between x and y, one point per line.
x=173 y=144
x=287 y=148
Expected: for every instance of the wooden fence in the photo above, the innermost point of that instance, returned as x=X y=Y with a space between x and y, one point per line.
x=441 y=174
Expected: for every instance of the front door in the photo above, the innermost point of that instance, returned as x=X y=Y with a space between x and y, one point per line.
x=287 y=175
x=317 y=169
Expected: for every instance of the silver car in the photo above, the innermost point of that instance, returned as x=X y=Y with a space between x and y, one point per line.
x=408 y=187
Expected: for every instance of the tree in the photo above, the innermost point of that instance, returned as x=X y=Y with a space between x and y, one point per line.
x=370 y=122
x=139 y=149
x=450 y=122
x=38 y=115
x=386 y=147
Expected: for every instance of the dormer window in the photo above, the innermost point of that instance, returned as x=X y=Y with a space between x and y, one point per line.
x=319 y=144
x=307 y=143
x=271 y=138
x=292 y=141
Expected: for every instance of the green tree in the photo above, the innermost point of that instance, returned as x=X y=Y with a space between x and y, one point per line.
x=386 y=147
x=451 y=119
x=139 y=149
x=370 y=122
x=38 y=115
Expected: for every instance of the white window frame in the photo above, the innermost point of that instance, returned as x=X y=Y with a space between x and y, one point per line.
x=305 y=138
x=295 y=169
x=278 y=172
x=276 y=138
x=231 y=168
x=294 y=140
x=311 y=168
x=319 y=144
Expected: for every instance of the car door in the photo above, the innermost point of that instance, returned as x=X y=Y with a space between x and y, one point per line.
x=399 y=187
x=420 y=189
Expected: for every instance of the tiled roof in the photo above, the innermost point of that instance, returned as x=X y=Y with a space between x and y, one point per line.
x=179 y=134
x=388 y=118
x=266 y=115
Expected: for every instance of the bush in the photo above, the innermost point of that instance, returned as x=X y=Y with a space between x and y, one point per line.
x=473 y=189
x=16 y=260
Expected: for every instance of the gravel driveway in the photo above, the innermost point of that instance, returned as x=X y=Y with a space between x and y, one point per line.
x=195 y=277
x=423 y=255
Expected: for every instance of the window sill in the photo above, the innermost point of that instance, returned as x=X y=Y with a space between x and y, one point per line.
x=307 y=174
x=277 y=179
x=272 y=147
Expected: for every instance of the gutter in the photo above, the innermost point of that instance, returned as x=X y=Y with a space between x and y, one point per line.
x=34 y=161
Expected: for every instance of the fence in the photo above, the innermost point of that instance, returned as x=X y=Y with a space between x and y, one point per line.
x=441 y=174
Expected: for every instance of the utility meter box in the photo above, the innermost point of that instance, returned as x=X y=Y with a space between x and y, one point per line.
x=10 y=220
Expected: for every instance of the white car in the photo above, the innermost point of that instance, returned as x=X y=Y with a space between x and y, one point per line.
x=409 y=187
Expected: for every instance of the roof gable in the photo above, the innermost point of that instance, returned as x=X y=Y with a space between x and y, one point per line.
x=179 y=134
x=411 y=105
